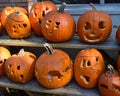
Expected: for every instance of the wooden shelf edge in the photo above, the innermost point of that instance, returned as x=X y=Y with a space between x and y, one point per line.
x=71 y=89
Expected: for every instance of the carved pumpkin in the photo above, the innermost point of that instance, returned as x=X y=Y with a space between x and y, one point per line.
x=18 y=25
x=37 y=12
x=58 y=26
x=1 y=26
x=118 y=63
x=88 y=66
x=109 y=83
x=118 y=33
x=94 y=26
x=4 y=55
x=8 y=10
x=53 y=68
x=21 y=67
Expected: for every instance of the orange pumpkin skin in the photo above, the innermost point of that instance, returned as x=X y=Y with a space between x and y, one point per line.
x=109 y=84
x=1 y=26
x=54 y=70
x=4 y=55
x=94 y=26
x=118 y=34
x=58 y=26
x=20 y=68
x=118 y=62
x=18 y=25
x=37 y=13
x=8 y=10
x=88 y=66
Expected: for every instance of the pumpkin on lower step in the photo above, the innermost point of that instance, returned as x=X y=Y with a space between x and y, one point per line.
x=4 y=55
x=109 y=82
x=53 y=68
x=20 y=67
x=88 y=66
x=18 y=25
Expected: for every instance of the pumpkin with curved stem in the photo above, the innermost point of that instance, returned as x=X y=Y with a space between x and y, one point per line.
x=94 y=26
x=58 y=26
x=109 y=82
x=20 y=67
x=18 y=25
x=8 y=10
x=53 y=68
x=37 y=13
x=88 y=66
x=4 y=55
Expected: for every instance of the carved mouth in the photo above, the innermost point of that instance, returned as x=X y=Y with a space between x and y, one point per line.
x=115 y=88
x=86 y=79
x=92 y=40
x=53 y=74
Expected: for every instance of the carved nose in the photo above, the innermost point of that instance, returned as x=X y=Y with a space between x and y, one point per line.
x=92 y=34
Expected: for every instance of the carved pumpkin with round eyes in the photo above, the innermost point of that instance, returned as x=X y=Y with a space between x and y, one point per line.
x=20 y=67
x=88 y=66
x=4 y=55
x=37 y=12
x=8 y=10
x=18 y=25
x=53 y=68
x=94 y=26
x=58 y=26
x=109 y=82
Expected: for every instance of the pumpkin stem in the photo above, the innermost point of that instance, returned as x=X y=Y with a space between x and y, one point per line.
x=49 y=48
x=21 y=52
x=18 y=12
x=62 y=7
x=112 y=70
x=93 y=7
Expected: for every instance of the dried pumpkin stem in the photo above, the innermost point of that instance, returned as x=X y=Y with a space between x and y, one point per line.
x=49 y=48
x=21 y=52
x=93 y=7
x=62 y=7
x=110 y=67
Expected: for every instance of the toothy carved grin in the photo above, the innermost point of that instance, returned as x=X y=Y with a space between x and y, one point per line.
x=115 y=88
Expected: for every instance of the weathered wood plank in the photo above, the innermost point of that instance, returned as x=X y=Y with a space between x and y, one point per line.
x=75 y=42
x=71 y=89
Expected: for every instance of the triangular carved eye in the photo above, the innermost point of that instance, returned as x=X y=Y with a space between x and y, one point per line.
x=87 y=26
x=57 y=25
x=101 y=25
x=1 y=62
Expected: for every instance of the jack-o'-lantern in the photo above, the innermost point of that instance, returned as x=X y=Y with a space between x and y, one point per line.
x=20 y=67
x=94 y=26
x=109 y=82
x=58 y=26
x=118 y=62
x=88 y=66
x=18 y=25
x=1 y=26
x=53 y=68
x=118 y=33
x=4 y=54
x=8 y=10
x=37 y=12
